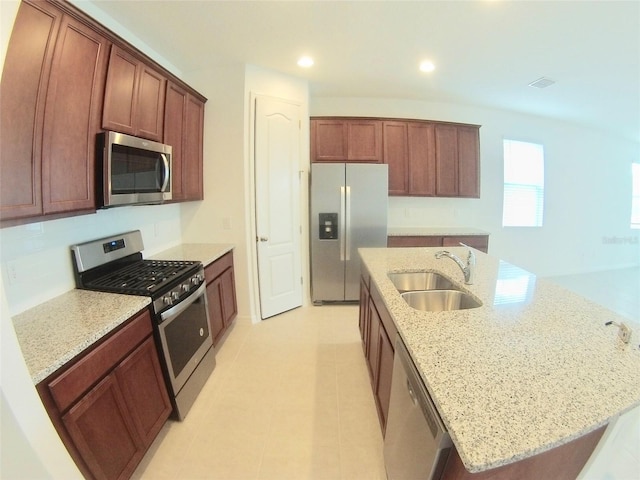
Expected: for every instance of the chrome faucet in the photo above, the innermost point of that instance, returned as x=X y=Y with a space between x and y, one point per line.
x=469 y=269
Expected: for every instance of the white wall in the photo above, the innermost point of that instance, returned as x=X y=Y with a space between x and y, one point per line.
x=587 y=187
x=226 y=216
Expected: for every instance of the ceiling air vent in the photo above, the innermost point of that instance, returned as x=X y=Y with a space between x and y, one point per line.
x=542 y=82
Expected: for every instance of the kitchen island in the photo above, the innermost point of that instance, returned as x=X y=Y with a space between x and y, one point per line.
x=531 y=369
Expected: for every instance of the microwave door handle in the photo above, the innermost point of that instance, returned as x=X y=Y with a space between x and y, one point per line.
x=165 y=162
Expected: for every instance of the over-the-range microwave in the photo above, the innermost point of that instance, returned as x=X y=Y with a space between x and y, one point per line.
x=132 y=170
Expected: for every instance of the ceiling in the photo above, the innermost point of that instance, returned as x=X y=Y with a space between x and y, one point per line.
x=486 y=52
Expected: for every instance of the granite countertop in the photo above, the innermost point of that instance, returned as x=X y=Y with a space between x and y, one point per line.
x=204 y=252
x=531 y=369
x=433 y=231
x=54 y=332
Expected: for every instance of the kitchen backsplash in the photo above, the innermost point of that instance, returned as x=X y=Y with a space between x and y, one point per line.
x=36 y=260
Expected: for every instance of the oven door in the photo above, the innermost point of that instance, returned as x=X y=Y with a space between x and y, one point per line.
x=185 y=336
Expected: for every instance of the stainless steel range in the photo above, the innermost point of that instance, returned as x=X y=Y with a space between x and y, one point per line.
x=179 y=305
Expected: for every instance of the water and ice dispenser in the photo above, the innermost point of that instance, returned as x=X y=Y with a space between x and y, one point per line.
x=327 y=226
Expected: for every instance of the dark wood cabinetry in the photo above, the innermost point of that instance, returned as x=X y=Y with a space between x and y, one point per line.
x=52 y=87
x=134 y=97
x=64 y=79
x=378 y=333
x=480 y=242
x=457 y=161
x=111 y=402
x=221 y=295
x=183 y=127
x=425 y=158
x=346 y=140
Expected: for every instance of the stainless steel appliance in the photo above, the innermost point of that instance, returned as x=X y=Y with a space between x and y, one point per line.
x=416 y=442
x=179 y=306
x=348 y=211
x=132 y=170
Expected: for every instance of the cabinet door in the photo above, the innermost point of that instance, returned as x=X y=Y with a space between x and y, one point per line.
x=192 y=172
x=363 y=319
x=216 y=312
x=22 y=90
x=149 y=107
x=174 y=133
x=364 y=141
x=396 y=155
x=421 y=159
x=72 y=118
x=104 y=432
x=120 y=93
x=328 y=140
x=144 y=390
x=229 y=306
x=469 y=162
x=446 y=160
x=373 y=343
x=385 y=371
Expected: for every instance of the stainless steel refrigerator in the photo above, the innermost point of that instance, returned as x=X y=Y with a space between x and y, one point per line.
x=348 y=211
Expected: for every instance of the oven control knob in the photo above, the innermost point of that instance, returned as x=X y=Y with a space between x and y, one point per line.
x=194 y=280
x=184 y=287
x=175 y=295
x=167 y=300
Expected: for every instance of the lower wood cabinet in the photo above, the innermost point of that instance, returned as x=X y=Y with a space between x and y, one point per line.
x=378 y=333
x=479 y=242
x=221 y=295
x=109 y=404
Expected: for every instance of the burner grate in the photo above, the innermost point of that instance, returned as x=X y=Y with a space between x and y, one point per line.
x=142 y=278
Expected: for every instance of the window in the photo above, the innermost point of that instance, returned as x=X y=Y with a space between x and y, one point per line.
x=635 y=195
x=523 y=184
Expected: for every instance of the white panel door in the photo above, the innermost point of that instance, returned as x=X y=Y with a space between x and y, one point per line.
x=277 y=165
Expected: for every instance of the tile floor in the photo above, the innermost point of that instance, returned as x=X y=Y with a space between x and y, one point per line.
x=290 y=399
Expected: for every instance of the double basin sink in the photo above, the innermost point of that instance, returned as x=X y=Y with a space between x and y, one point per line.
x=431 y=292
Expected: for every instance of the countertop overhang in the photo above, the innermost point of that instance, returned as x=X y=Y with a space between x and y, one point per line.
x=533 y=368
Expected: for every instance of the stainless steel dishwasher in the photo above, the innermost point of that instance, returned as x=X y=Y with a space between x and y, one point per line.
x=416 y=443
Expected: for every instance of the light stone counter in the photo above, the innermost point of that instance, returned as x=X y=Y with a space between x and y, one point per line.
x=531 y=369
x=204 y=252
x=55 y=331
x=433 y=231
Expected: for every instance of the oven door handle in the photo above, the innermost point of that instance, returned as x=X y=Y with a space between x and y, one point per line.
x=184 y=304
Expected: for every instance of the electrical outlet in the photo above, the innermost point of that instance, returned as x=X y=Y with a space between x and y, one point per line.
x=624 y=333
x=12 y=273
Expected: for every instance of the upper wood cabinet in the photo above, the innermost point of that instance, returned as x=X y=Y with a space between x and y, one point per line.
x=425 y=158
x=51 y=89
x=346 y=140
x=134 y=97
x=457 y=161
x=64 y=79
x=183 y=128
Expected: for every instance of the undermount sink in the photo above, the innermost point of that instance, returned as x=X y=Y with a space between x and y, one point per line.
x=440 y=300
x=408 y=281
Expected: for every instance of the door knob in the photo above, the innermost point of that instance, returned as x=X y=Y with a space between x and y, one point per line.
x=263 y=239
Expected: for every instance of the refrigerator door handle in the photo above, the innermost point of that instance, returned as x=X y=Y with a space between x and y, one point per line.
x=347 y=221
x=343 y=225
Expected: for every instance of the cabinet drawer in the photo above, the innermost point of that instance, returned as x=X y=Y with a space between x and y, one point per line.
x=216 y=268
x=68 y=386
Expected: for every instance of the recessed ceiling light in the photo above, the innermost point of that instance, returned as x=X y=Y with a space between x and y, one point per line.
x=305 y=62
x=427 y=66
